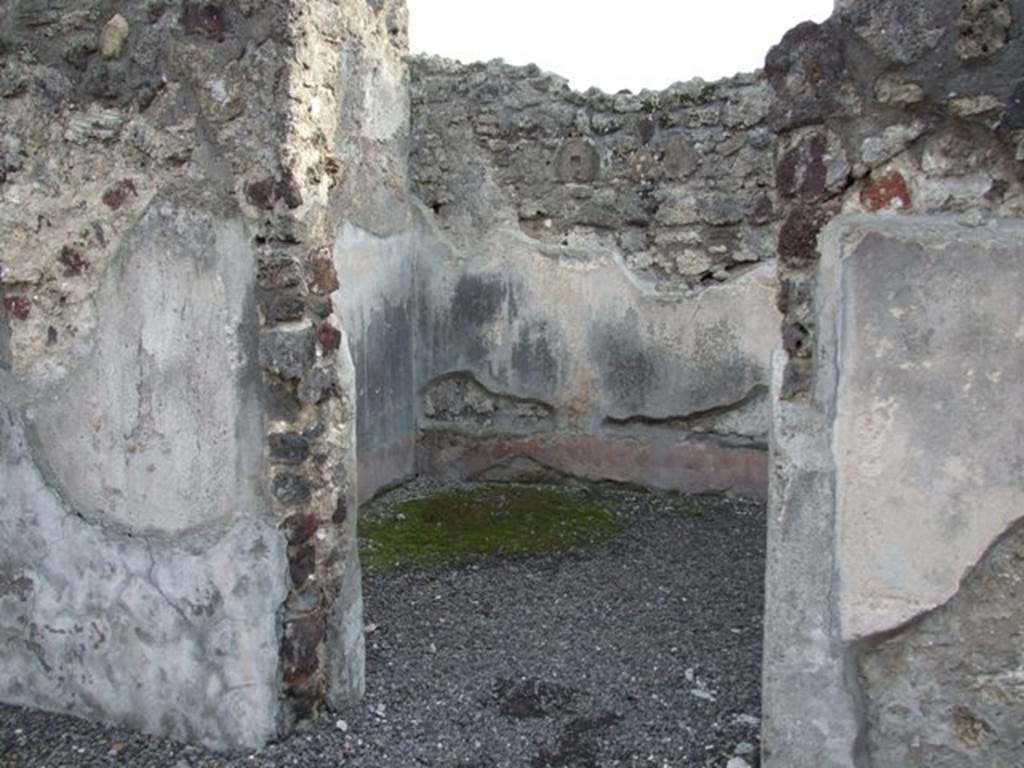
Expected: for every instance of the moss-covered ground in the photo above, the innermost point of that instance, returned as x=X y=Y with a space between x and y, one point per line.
x=459 y=525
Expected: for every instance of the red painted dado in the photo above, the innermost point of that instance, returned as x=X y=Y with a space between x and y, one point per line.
x=692 y=465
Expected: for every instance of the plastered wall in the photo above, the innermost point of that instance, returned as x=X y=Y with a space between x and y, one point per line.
x=596 y=291
x=178 y=400
x=893 y=509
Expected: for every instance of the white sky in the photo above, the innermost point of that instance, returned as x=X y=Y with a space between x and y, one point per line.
x=612 y=45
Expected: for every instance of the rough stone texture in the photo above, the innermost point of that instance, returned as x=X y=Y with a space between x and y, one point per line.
x=133 y=501
x=679 y=182
x=460 y=399
x=171 y=637
x=907 y=129
x=946 y=690
x=342 y=164
x=225 y=321
x=920 y=134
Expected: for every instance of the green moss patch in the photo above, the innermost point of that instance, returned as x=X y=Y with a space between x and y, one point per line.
x=455 y=526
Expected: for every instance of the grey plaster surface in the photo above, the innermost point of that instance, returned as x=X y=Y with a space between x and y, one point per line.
x=603 y=258
x=378 y=303
x=811 y=718
x=157 y=424
x=610 y=358
x=559 y=329
x=607 y=377
x=888 y=486
x=923 y=327
x=177 y=638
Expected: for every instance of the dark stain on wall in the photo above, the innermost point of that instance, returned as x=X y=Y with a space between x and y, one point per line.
x=5 y=338
x=628 y=368
x=384 y=362
x=532 y=359
x=477 y=302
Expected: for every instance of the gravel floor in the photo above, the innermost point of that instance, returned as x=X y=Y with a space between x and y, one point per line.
x=642 y=651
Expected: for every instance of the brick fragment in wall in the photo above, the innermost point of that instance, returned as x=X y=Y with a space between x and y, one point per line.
x=889 y=192
x=260 y=194
x=300 y=645
x=812 y=166
x=798 y=237
x=208 y=20
x=301 y=563
x=300 y=528
x=288 y=191
x=265 y=193
x=18 y=306
x=808 y=74
x=118 y=194
x=323 y=277
x=74 y=260
x=328 y=337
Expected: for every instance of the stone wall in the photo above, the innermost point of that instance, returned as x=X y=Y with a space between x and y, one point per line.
x=890 y=107
x=177 y=428
x=225 y=321
x=888 y=492
x=603 y=259
x=892 y=448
